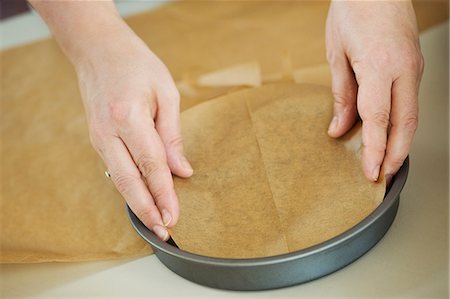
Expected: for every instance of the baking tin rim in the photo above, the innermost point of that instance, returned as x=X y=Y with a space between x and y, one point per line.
x=398 y=182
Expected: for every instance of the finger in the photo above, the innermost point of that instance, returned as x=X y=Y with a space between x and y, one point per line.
x=127 y=179
x=344 y=90
x=404 y=120
x=167 y=124
x=147 y=151
x=374 y=105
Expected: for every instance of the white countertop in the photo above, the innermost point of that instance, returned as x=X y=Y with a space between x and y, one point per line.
x=411 y=261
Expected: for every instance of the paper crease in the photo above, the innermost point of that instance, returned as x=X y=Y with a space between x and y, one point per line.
x=265 y=170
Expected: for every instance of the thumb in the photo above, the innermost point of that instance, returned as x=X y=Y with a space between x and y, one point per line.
x=167 y=124
x=344 y=89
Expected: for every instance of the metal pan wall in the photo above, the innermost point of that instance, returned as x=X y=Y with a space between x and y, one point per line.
x=282 y=270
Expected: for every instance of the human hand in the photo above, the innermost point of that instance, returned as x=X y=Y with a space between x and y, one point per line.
x=376 y=64
x=132 y=106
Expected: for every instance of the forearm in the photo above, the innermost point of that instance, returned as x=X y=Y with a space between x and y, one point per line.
x=80 y=26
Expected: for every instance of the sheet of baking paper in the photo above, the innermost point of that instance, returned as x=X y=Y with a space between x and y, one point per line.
x=318 y=74
x=229 y=180
x=247 y=74
x=268 y=179
x=56 y=204
x=204 y=36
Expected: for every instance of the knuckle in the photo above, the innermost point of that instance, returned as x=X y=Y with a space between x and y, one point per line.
x=343 y=99
x=359 y=67
x=149 y=103
x=376 y=149
x=173 y=94
x=124 y=183
x=145 y=214
x=410 y=123
x=379 y=118
x=96 y=134
x=175 y=142
x=412 y=61
x=169 y=94
x=149 y=167
x=331 y=56
x=422 y=64
x=382 y=60
x=95 y=143
x=158 y=194
x=119 y=111
x=396 y=162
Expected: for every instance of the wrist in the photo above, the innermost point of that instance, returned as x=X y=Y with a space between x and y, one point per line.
x=81 y=28
x=97 y=43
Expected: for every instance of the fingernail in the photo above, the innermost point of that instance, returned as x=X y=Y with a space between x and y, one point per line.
x=376 y=173
x=185 y=163
x=161 y=232
x=166 y=217
x=333 y=125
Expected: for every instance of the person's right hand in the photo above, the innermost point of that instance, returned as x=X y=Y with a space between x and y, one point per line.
x=132 y=106
x=131 y=102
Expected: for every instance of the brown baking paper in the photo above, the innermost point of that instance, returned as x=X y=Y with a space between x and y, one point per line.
x=268 y=180
x=56 y=204
x=247 y=74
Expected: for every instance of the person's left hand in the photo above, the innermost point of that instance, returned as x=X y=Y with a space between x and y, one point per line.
x=376 y=65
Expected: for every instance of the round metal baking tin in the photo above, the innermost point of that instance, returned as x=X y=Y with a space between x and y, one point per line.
x=286 y=269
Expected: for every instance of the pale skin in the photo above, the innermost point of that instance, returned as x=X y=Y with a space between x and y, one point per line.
x=376 y=65
x=132 y=104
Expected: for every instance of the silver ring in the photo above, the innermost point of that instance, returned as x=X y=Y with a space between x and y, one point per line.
x=107 y=174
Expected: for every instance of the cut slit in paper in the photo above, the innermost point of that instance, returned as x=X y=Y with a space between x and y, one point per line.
x=247 y=74
x=250 y=74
